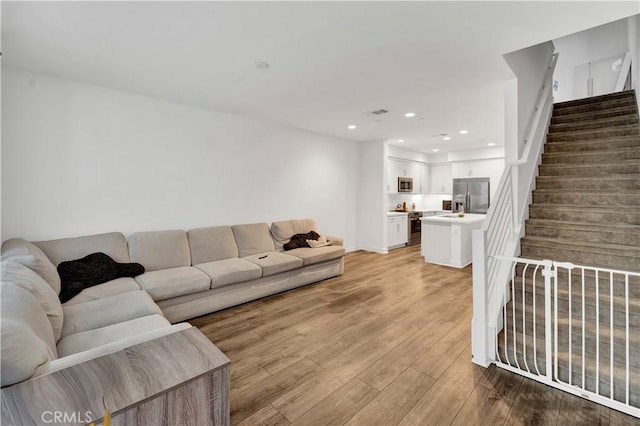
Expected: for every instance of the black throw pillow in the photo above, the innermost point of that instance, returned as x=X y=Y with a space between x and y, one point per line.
x=94 y=269
x=300 y=240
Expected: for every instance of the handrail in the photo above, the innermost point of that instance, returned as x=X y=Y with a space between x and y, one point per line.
x=502 y=228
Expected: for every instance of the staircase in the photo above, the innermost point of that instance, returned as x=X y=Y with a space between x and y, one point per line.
x=585 y=210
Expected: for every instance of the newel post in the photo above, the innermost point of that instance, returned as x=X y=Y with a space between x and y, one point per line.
x=480 y=335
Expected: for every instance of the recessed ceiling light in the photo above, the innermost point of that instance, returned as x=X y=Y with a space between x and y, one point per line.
x=447 y=138
x=463 y=132
x=435 y=149
x=351 y=126
x=400 y=140
x=262 y=65
x=492 y=144
x=410 y=114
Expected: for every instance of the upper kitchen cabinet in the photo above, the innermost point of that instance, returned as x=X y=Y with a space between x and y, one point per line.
x=441 y=179
x=398 y=168
x=425 y=178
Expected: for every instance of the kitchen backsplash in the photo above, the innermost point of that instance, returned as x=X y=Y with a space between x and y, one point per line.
x=422 y=201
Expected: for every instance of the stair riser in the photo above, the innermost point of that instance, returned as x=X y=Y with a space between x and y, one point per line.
x=595 y=170
x=560 y=182
x=622 y=238
x=593 y=124
x=594 y=115
x=597 y=217
x=593 y=144
x=597 y=157
x=624 y=102
x=631 y=130
x=588 y=200
x=583 y=258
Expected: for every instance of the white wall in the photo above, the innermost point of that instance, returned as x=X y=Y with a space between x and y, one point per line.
x=80 y=159
x=577 y=49
x=529 y=66
x=372 y=210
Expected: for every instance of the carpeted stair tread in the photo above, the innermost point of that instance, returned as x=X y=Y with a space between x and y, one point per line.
x=592 y=144
x=588 y=198
x=597 y=248
x=624 y=167
x=625 y=130
x=594 y=115
x=581 y=226
x=609 y=97
x=597 y=123
x=614 y=182
x=595 y=156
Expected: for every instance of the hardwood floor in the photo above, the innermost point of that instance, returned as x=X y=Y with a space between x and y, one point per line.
x=386 y=343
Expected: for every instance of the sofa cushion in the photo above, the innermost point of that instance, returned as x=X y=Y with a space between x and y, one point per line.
x=90 y=339
x=212 y=243
x=106 y=311
x=173 y=282
x=110 y=288
x=230 y=271
x=274 y=262
x=25 y=278
x=284 y=230
x=32 y=257
x=25 y=332
x=113 y=244
x=253 y=238
x=311 y=256
x=158 y=250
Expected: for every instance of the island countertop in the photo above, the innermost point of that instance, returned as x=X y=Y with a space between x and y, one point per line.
x=468 y=218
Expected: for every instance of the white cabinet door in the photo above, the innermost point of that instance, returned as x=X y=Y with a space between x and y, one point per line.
x=441 y=180
x=395 y=168
x=397 y=231
x=425 y=188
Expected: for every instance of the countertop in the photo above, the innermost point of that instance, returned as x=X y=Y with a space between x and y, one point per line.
x=397 y=213
x=467 y=218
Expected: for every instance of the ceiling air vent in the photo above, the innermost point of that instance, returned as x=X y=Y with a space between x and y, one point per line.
x=379 y=112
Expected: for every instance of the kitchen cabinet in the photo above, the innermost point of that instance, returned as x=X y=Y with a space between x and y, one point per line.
x=425 y=187
x=441 y=179
x=397 y=231
x=400 y=168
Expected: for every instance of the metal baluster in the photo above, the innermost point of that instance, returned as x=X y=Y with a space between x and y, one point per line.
x=626 y=314
x=597 y=333
x=535 y=350
x=570 y=334
x=584 y=383
x=611 y=334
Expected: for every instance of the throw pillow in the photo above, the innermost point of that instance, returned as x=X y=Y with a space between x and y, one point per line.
x=321 y=242
x=94 y=269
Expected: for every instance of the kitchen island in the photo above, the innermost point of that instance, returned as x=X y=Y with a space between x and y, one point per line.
x=446 y=240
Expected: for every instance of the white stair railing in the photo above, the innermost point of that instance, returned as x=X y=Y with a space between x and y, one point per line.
x=504 y=226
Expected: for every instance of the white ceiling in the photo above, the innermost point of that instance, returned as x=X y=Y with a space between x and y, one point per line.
x=331 y=62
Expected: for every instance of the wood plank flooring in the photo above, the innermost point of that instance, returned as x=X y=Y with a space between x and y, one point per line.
x=387 y=343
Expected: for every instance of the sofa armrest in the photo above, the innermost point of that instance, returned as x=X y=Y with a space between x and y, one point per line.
x=337 y=241
x=131 y=383
x=106 y=349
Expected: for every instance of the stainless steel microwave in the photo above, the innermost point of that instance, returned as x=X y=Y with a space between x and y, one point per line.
x=405 y=184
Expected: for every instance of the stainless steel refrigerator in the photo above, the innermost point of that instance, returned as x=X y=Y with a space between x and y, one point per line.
x=472 y=194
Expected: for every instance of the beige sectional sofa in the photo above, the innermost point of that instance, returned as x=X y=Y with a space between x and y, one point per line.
x=187 y=274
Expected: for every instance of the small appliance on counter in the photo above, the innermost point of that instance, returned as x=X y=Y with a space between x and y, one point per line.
x=446 y=204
